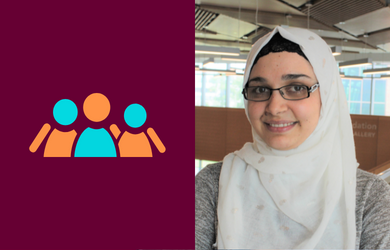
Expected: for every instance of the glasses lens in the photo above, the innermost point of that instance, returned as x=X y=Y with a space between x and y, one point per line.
x=258 y=93
x=295 y=92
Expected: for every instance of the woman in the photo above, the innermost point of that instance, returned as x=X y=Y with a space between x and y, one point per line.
x=297 y=185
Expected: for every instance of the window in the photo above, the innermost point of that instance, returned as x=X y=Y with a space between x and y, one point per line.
x=358 y=95
x=234 y=89
x=379 y=97
x=367 y=96
x=219 y=90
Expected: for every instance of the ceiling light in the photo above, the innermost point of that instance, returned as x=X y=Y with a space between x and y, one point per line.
x=240 y=58
x=227 y=72
x=239 y=72
x=355 y=63
x=342 y=74
x=217 y=50
x=208 y=61
x=352 y=77
x=235 y=67
x=336 y=50
x=385 y=76
x=376 y=71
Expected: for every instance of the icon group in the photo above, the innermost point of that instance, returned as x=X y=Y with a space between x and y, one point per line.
x=97 y=142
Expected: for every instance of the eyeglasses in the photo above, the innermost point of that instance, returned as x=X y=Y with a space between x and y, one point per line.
x=289 y=92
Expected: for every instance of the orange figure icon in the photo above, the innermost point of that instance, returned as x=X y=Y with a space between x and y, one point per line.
x=136 y=145
x=59 y=144
x=96 y=142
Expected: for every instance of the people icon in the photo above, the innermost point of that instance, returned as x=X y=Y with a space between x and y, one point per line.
x=59 y=143
x=136 y=145
x=96 y=142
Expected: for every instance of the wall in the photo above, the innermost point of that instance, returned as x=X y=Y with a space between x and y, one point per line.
x=219 y=131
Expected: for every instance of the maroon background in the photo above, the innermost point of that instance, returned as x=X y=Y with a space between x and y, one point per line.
x=69 y=49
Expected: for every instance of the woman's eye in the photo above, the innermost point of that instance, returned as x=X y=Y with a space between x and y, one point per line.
x=260 y=90
x=297 y=88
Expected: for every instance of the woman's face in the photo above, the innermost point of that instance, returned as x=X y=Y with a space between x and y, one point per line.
x=281 y=123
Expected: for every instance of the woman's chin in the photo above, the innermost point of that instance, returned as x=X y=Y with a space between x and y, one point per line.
x=281 y=143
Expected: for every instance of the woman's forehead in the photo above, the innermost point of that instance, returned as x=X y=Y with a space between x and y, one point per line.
x=283 y=65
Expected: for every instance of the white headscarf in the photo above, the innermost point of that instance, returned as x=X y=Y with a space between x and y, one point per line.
x=302 y=198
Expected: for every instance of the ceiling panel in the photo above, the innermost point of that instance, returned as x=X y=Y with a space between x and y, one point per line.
x=373 y=21
x=259 y=34
x=379 y=38
x=261 y=5
x=359 y=17
x=235 y=28
x=205 y=35
x=349 y=43
x=269 y=26
x=360 y=50
x=334 y=34
x=203 y=18
x=265 y=18
x=243 y=46
x=335 y=11
x=385 y=46
x=296 y=3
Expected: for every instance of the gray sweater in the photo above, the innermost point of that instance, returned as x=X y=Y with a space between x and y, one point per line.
x=372 y=209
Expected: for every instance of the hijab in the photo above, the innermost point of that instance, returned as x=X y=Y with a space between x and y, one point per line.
x=303 y=198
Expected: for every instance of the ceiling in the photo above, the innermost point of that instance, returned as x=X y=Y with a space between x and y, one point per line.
x=358 y=26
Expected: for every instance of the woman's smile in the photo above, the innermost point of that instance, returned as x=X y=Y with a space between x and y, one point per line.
x=280 y=126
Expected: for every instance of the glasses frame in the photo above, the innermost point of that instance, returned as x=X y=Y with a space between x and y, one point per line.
x=309 y=90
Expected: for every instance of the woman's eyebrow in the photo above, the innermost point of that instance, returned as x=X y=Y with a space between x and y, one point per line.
x=294 y=76
x=258 y=79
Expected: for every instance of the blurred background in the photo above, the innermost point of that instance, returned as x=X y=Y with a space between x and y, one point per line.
x=358 y=32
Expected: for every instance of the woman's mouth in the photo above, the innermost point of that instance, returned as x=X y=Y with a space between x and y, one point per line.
x=280 y=126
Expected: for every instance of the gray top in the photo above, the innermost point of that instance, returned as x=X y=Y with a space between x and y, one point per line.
x=372 y=209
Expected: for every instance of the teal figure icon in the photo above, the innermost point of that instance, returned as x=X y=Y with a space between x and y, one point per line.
x=59 y=143
x=136 y=145
x=96 y=142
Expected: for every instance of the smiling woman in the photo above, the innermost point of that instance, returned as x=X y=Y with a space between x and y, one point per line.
x=296 y=186
x=286 y=119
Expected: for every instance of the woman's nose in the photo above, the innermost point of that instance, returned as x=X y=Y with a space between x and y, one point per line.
x=276 y=104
